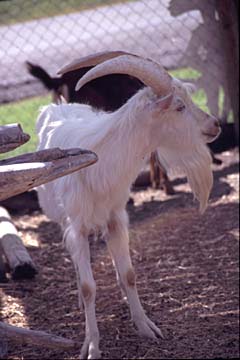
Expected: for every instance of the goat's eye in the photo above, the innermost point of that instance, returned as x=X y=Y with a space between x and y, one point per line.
x=181 y=107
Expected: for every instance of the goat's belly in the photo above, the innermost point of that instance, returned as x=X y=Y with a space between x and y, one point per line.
x=94 y=216
x=48 y=203
x=105 y=210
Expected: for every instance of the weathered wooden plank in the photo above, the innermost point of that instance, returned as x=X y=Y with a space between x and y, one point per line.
x=12 y=136
x=18 y=258
x=42 y=156
x=20 y=177
x=40 y=338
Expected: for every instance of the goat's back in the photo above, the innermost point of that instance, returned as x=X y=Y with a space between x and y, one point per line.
x=92 y=190
x=59 y=126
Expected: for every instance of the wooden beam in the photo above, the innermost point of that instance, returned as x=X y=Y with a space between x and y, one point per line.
x=12 y=136
x=17 y=256
x=18 y=177
x=42 y=156
x=39 y=338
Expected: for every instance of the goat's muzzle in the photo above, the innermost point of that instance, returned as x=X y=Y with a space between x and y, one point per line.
x=212 y=130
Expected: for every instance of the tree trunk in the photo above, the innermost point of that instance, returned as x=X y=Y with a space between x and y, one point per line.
x=228 y=15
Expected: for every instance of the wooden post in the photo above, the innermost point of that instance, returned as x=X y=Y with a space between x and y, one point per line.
x=12 y=136
x=18 y=258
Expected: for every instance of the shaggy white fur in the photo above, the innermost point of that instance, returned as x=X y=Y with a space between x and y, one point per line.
x=94 y=198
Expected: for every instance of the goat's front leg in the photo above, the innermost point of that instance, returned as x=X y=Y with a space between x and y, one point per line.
x=118 y=246
x=80 y=254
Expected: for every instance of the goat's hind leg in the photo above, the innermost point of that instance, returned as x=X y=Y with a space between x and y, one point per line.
x=118 y=246
x=78 y=247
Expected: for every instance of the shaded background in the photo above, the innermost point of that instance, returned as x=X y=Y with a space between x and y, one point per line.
x=199 y=36
x=187 y=265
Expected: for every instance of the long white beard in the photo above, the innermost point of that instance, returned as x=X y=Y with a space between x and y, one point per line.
x=196 y=165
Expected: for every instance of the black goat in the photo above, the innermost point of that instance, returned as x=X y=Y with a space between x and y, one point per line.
x=107 y=93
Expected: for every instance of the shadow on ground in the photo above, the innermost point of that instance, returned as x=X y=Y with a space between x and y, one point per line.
x=187 y=276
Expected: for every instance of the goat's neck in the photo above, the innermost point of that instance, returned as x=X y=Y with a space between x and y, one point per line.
x=125 y=144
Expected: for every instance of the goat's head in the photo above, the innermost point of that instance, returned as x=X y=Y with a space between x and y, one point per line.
x=178 y=127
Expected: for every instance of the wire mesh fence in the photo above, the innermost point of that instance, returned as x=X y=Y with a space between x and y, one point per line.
x=185 y=36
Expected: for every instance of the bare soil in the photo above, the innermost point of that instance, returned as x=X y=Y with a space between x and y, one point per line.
x=187 y=276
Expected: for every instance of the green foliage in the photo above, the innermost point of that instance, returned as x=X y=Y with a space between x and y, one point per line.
x=190 y=74
x=186 y=73
x=25 y=113
x=200 y=98
x=15 y=11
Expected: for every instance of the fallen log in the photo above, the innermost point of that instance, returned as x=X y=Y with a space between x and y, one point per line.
x=40 y=338
x=17 y=256
x=17 y=176
x=12 y=136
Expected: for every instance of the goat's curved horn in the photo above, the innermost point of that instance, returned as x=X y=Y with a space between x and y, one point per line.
x=149 y=72
x=90 y=60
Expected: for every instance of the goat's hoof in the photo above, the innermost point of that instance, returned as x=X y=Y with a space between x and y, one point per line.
x=147 y=328
x=90 y=350
x=95 y=355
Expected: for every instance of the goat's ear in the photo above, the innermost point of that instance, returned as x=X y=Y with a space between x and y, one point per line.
x=191 y=88
x=63 y=100
x=162 y=104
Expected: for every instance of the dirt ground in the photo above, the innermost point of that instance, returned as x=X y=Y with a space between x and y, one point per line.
x=187 y=276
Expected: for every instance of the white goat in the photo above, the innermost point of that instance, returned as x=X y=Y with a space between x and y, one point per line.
x=93 y=200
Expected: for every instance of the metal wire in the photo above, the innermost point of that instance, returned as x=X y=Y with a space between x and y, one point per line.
x=179 y=34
